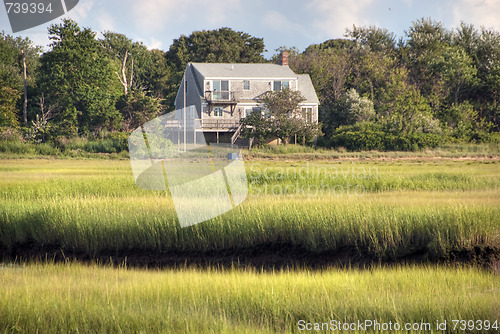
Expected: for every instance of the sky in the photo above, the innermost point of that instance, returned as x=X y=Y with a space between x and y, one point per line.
x=288 y=23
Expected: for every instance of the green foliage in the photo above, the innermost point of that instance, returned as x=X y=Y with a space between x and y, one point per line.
x=370 y=136
x=12 y=75
x=404 y=109
x=75 y=77
x=223 y=45
x=433 y=80
x=8 y=110
x=354 y=108
x=280 y=118
x=137 y=108
x=374 y=38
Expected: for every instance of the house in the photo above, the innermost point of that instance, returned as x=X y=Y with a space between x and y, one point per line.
x=225 y=93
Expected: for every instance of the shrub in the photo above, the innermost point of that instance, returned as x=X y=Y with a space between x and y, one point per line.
x=370 y=136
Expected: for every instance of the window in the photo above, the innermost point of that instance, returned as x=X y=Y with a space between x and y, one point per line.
x=247 y=112
x=218 y=111
x=279 y=85
x=246 y=84
x=221 y=90
x=307 y=114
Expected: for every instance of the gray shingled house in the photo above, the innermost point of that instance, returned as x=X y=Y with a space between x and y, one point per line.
x=225 y=93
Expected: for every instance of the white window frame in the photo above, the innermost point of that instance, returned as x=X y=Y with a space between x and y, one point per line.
x=281 y=84
x=307 y=114
x=245 y=87
x=218 y=111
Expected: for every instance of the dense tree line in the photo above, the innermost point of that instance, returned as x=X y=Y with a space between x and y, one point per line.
x=434 y=84
x=376 y=92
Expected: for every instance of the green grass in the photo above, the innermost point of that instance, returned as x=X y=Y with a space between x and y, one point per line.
x=294 y=152
x=78 y=148
x=70 y=297
x=94 y=207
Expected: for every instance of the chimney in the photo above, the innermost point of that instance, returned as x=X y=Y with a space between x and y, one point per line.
x=284 y=58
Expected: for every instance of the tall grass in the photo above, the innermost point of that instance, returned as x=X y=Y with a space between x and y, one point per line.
x=69 y=297
x=94 y=207
x=455 y=150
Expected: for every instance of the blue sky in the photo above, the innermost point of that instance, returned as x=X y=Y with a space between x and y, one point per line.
x=280 y=22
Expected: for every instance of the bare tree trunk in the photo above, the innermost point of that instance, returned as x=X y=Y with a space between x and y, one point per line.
x=123 y=78
x=131 y=73
x=25 y=104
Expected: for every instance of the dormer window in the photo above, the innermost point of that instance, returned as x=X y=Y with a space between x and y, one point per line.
x=279 y=85
x=246 y=84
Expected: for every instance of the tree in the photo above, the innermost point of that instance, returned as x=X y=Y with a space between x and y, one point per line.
x=374 y=38
x=13 y=52
x=281 y=118
x=355 y=108
x=137 y=108
x=76 y=78
x=404 y=110
x=215 y=46
x=8 y=110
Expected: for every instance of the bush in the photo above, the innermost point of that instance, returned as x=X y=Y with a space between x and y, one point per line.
x=111 y=144
x=370 y=136
x=360 y=136
x=10 y=134
x=17 y=147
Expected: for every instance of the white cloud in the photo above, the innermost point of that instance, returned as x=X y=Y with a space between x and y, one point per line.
x=81 y=10
x=478 y=12
x=276 y=21
x=153 y=15
x=153 y=43
x=156 y=15
x=334 y=16
x=216 y=12
x=105 y=21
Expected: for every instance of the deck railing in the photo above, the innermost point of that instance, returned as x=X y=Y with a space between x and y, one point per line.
x=219 y=96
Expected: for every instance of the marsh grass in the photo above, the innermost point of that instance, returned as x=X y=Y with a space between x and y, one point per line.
x=62 y=298
x=94 y=207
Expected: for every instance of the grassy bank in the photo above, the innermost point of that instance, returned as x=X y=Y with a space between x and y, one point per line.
x=376 y=210
x=81 y=148
x=294 y=152
x=74 y=298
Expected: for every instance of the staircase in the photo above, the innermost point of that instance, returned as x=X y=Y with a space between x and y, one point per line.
x=236 y=134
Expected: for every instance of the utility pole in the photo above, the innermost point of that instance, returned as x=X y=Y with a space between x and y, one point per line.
x=184 y=110
x=25 y=104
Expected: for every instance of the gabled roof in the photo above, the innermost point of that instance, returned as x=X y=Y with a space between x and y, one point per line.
x=307 y=89
x=226 y=70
